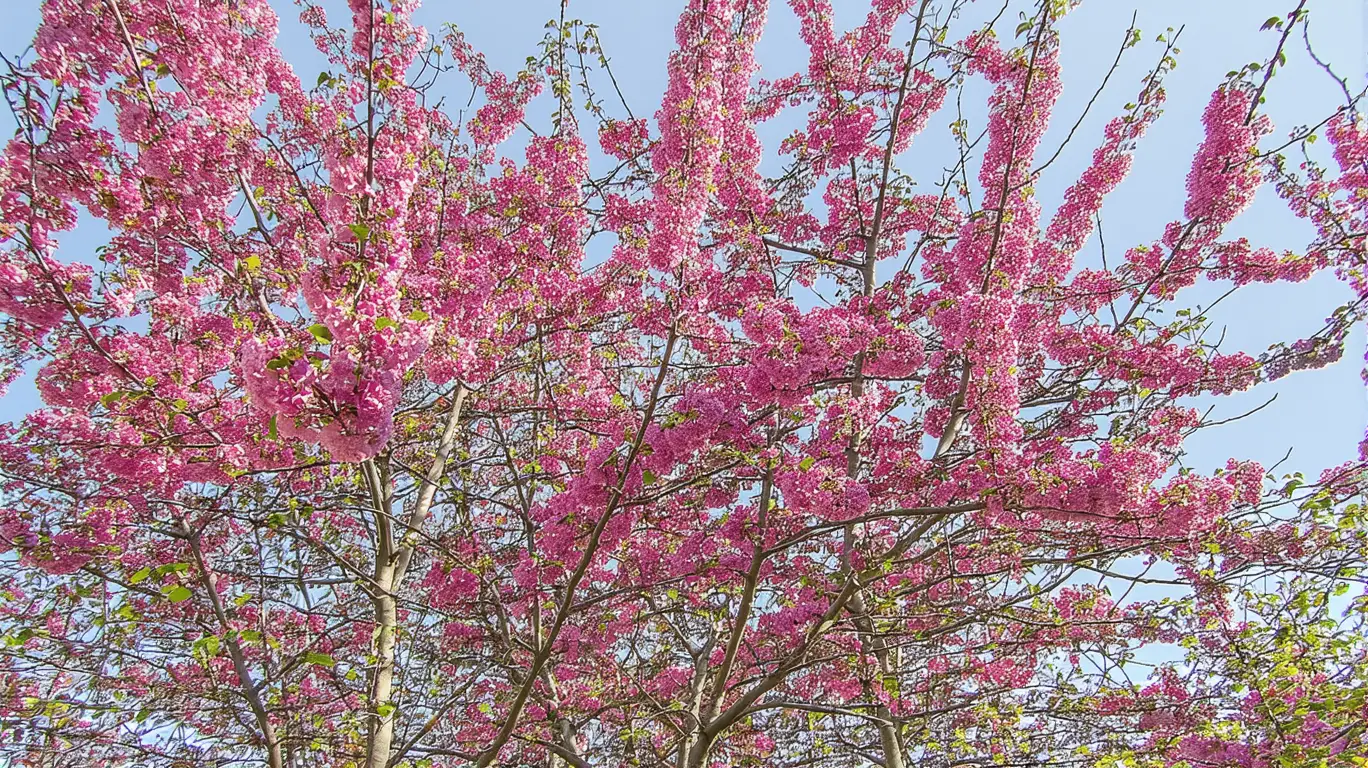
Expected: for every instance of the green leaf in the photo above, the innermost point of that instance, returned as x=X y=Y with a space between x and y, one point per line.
x=253 y=263
x=387 y=709
x=321 y=659
x=418 y=316
x=360 y=230
x=178 y=594
x=271 y=431
x=320 y=331
x=381 y=323
x=179 y=404
x=806 y=463
x=140 y=576
x=208 y=645
x=648 y=477
x=112 y=398
x=323 y=77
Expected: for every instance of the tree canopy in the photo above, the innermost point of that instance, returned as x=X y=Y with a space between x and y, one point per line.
x=365 y=443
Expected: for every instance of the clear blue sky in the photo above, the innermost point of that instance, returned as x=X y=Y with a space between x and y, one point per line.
x=1320 y=414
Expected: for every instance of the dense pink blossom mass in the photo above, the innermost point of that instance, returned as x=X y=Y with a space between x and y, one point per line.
x=393 y=430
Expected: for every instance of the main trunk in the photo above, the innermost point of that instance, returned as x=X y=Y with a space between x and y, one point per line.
x=380 y=719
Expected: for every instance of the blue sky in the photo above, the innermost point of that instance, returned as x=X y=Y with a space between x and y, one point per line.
x=1320 y=414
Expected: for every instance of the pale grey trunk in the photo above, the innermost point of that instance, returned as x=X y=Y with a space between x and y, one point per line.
x=392 y=558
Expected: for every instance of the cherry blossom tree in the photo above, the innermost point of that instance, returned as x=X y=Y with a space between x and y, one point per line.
x=364 y=442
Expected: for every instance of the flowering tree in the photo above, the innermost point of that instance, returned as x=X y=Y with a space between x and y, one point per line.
x=350 y=454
